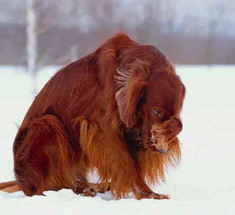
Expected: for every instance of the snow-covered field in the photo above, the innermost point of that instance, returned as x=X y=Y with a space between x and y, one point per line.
x=204 y=183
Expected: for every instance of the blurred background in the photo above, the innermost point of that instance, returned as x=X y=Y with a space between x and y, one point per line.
x=190 y=32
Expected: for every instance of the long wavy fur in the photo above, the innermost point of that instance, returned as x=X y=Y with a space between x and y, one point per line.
x=88 y=116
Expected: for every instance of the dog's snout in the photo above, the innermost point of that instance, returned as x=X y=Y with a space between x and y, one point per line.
x=176 y=125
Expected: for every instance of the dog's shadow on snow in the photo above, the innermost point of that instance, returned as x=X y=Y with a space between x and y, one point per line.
x=107 y=196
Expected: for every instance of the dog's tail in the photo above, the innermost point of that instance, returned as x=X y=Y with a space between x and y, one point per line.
x=9 y=187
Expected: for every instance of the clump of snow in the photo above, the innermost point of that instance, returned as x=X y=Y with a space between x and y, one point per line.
x=202 y=184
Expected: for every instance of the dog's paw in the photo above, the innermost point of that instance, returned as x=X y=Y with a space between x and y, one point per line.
x=159 y=196
x=152 y=195
x=85 y=192
x=89 y=192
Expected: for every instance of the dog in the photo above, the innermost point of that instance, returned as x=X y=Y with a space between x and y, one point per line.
x=116 y=111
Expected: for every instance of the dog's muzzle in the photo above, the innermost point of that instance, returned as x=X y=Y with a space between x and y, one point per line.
x=163 y=134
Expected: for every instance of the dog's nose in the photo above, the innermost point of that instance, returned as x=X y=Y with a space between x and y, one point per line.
x=176 y=125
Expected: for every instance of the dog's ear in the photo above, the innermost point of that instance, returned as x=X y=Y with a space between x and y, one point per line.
x=131 y=84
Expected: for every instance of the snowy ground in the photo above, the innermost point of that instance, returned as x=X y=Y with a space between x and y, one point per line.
x=203 y=183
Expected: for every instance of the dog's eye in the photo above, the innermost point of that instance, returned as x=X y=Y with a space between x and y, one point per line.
x=158 y=112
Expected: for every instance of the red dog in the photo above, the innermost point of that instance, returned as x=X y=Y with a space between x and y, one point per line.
x=115 y=110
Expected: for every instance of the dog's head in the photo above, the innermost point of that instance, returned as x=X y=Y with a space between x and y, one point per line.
x=161 y=111
x=150 y=96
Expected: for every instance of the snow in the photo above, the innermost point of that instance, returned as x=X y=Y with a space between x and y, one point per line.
x=202 y=184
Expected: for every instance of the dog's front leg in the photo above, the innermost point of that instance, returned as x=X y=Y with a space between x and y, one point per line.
x=106 y=151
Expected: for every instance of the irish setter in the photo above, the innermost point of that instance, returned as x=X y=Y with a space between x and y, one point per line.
x=115 y=111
